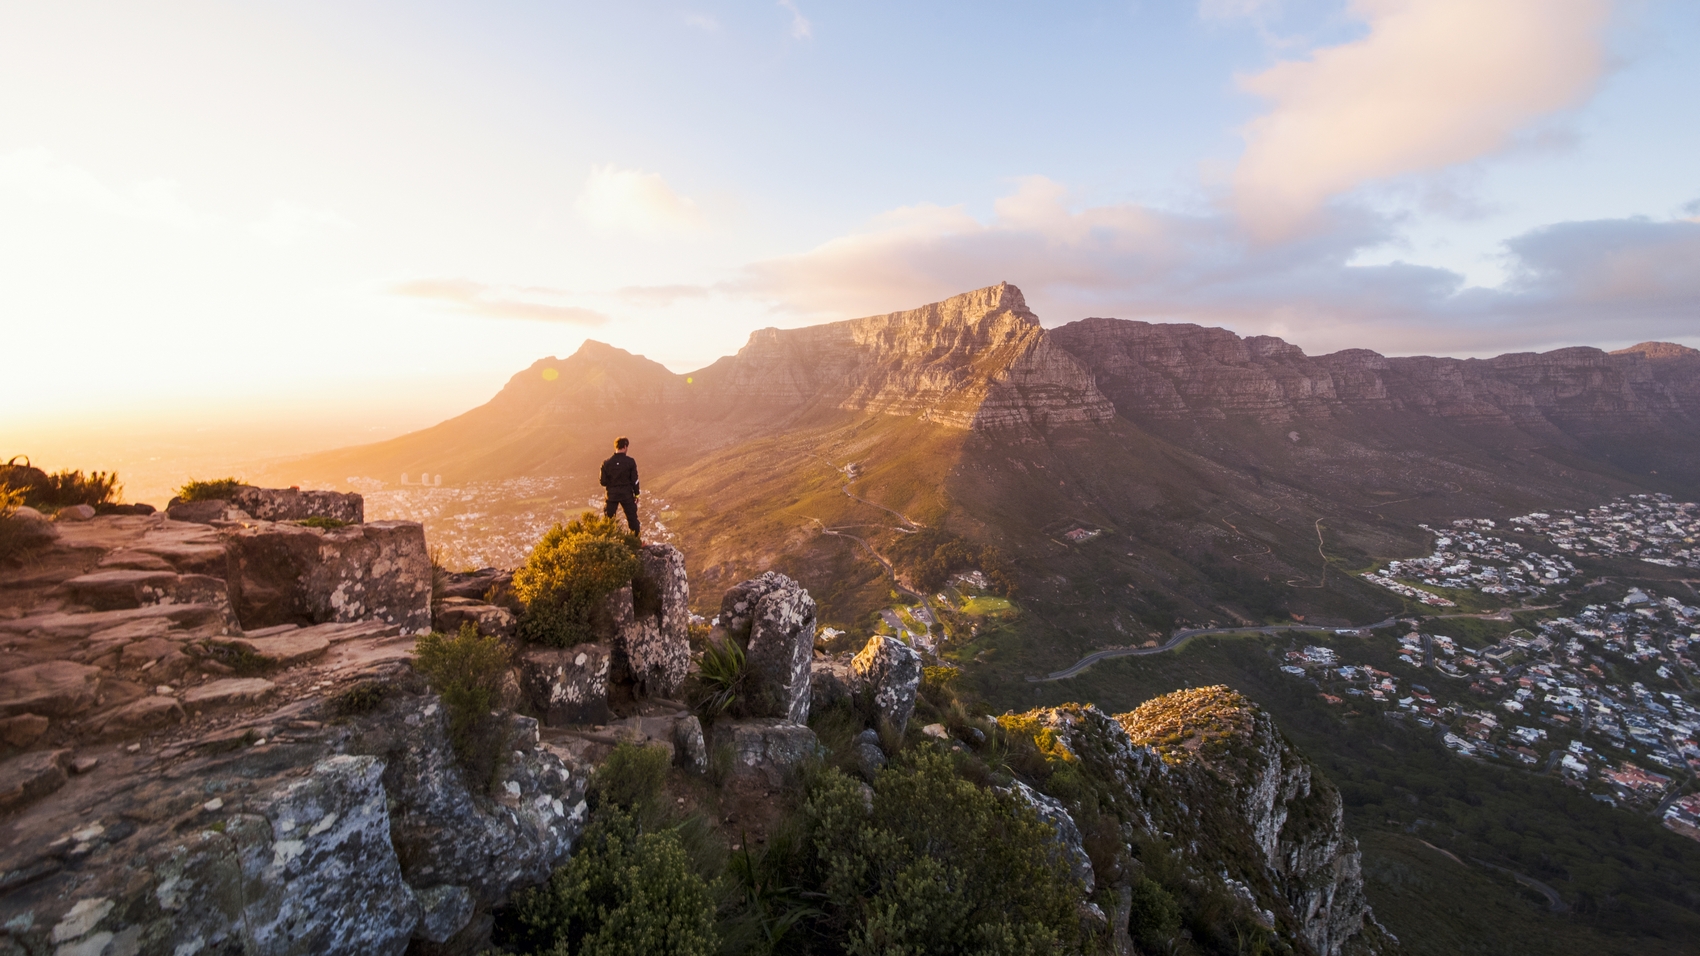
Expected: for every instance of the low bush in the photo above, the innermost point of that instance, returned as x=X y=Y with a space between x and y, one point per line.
x=211 y=489
x=570 y=571
x=936 y=864
x=320 y=521
x=38 y=489
x=631 y=779
x=467 y=671
x=13 y=539
x=625 y=892
x=1153 y=917
x=722 y=672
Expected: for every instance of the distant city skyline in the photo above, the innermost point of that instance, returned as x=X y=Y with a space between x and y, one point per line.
x=328 y=221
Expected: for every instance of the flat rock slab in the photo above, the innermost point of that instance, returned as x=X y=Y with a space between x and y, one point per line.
x=286 y=648
x=52 y=689
x=145 y=713
x=118 y=589
x=76 y=627
x=26 y=779
x=230 y=690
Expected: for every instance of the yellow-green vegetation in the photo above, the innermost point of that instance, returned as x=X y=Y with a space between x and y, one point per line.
x=981 y=605
x=211 y=489
x=63 y=489
x=12 y=543
x=320 y=521
x=570 y=571
x=1045 y=741
x=1199 y=720
x=466 y=671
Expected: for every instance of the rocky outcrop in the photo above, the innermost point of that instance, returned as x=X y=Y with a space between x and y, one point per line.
x=975 y=361
x=763 y=751
x=271 y=504
x=289 y=574
x=652 y=644
x=566 y=685
x=361 y=836
x=1208 y=772
x=773 y=617
x=891 y=670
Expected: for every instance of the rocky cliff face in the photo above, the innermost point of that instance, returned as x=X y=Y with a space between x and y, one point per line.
x=1171 y=372
x=977 y=360
x=1207 y=771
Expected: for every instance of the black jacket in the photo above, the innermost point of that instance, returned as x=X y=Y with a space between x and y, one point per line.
x=619 y=474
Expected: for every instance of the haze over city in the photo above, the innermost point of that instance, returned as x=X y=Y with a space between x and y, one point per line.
x=271 y=228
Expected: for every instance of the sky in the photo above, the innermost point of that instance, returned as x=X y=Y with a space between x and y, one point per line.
x=268 y=227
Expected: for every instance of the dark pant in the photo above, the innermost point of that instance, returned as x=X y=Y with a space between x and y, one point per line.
x=625 y=501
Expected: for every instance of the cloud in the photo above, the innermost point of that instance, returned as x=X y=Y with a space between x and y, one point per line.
x=1573 y=283
x=34 y=174
x=703 y=22
x=478 y=299
x=635 y=202
x=289 y=222
x=1233 y=9
x=801 y=29
x=1432 y=84
x=661 y=295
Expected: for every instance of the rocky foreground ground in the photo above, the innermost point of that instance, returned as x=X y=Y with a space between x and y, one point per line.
x=217 y=742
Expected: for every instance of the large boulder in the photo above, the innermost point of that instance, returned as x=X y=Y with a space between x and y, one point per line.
x=29 y=528
x=891 y=669
x=289 y=574
x=449 y=614
x=765 y=752
x=205 y=511
x=566 y=685
x=652 y=646
x=51 y=689
x=774 y=618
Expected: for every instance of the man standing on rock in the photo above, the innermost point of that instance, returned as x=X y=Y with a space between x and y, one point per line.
x=620 y=477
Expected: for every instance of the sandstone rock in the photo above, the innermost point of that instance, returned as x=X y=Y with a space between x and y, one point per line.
x=120 y=589
x=831 y=679
x=284 y=649
x=475 y=585
x=52 y=689
x=448 y=615
x=230 y=690
x=444 y=911
x=293 y=504
x=690 y=750
x=289 y=574
x=936 y=731
x=28 y=778
x=567 y=685
x=188 y=557
x=22 y=730
x=764 y=751
x=652 y=648
x=1066 y=841
x=75 y=513
x=205 y=512
x=142 y=715
x=892 y=670
x=147 y=651
x=775 y=618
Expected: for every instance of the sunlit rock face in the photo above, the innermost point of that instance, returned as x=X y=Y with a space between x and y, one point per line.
x=978 y=360
x=289 y=574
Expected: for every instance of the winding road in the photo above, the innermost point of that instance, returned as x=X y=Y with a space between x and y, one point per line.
x=1180 y=637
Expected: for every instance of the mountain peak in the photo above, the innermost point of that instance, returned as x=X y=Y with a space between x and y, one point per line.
x=1660 y=350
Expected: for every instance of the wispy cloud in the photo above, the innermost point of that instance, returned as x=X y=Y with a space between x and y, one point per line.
x=1611 y=280
x=661 y=295
x=1433 y=83
x=287 y=223
x=1234 y=9
x=637 y=203
x=501 y=303
x=35 y=174
x=703 y=22
x=801 y=28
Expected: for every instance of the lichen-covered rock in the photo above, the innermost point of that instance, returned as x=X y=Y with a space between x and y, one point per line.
x=443 y=829
x=831 y=679
x=775 y=619
x=443 y=912
x=870 y=757
x=289 y=574
x=764 y=751
x=120 y=589
x=205 y=511
x=293 y=504
x=652 y=647
x=1066 y=841
x=690 y=749
x=566 y=685
x=892 y=670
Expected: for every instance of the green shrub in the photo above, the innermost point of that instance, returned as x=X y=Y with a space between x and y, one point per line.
x=320 y=521
x=721 y=674
x=62 y=489
x=624 y=893
x=466 y=671
x=937 y=865
x=362 y=698
x=572 y=569
x=1153 y=916
x=631 y=780
x=215 y=488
